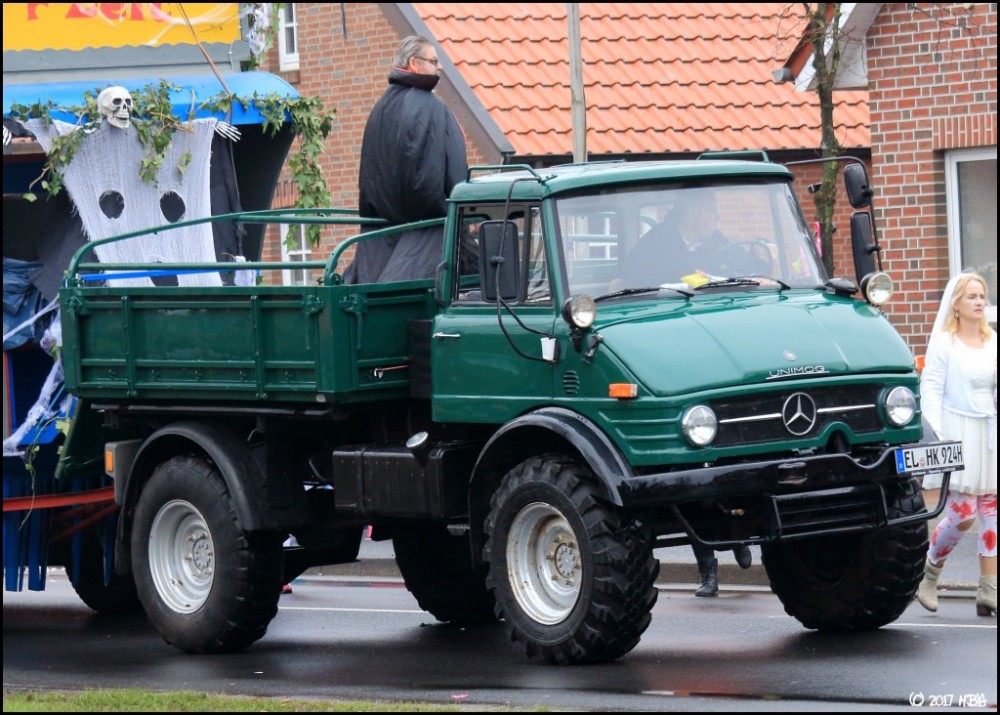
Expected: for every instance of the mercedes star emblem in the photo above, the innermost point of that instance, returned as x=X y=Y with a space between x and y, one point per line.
x=799 y=414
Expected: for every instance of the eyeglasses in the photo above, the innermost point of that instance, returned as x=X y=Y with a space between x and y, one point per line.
x=432 y=60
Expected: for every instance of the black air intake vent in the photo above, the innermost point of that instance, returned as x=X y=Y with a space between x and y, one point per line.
x=571 y=382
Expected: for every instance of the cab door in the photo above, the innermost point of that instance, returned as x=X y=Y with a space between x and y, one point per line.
x=487 y=363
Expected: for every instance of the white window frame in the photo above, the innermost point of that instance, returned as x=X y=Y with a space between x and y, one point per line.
x=287 y=61
x=292 y=276
x=952 y=160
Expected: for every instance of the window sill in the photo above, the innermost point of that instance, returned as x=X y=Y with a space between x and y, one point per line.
x=292 y=76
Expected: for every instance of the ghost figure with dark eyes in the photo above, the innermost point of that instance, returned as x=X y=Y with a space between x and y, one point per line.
x=115 y=105
x=110 y=198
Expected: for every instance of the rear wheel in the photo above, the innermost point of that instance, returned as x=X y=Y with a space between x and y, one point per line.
x=852 y=582
x=572 y=577
x=103 y=590
x=437 y=569
x=205 y=584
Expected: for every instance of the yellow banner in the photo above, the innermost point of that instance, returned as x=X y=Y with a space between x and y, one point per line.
x=81 y=25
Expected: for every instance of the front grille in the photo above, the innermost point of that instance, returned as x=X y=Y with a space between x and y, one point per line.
x=758 y=418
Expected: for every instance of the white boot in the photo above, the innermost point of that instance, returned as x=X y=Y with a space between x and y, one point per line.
x=986 y=596
x=927 y=592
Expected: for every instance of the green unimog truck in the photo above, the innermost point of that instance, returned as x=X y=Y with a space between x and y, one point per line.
x=527 y=426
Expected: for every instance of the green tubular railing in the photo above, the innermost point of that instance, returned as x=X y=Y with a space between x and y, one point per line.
x=311 y=216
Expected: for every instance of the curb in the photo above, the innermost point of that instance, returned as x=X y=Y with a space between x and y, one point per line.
x=673 y=574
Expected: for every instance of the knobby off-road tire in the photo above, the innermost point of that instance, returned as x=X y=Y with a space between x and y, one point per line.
x=117 y=596
x=572 y=577
x=206 y=585
x=852 y=582
x=437 y=569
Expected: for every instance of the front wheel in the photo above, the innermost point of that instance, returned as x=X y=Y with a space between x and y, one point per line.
x=205 y=584
x=574 y=579
x=851 y=582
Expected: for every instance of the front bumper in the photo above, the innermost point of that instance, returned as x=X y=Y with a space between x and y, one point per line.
x=790 y=498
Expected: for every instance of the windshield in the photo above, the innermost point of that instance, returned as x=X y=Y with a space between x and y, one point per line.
x=688 y=237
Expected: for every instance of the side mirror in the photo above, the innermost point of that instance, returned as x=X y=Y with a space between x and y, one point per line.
x=439 y=285
x=862 y=246
x=859 y=191
x=498 y=260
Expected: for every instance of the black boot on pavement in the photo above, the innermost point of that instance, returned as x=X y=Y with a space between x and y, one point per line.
x=708 y=570
x=744 y=558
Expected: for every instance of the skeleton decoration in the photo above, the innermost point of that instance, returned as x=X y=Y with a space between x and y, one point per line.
x=115 y=105
x=227 y=131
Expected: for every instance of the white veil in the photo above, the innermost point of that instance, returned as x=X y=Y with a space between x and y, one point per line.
x=945 y=308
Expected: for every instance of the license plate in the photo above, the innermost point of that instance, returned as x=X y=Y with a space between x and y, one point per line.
x=942 y=457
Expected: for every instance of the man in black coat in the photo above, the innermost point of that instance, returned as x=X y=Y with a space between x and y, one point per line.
x=412 y=155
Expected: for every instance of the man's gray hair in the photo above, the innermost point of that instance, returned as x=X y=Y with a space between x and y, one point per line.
x=409 y=48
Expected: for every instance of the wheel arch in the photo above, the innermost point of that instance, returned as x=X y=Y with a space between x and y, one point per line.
x=241 y=473
x=551 y=429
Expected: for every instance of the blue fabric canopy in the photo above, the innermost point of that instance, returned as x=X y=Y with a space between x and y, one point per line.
x=193 y=91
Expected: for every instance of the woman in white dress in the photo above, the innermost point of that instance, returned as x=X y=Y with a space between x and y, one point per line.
x=958 y=397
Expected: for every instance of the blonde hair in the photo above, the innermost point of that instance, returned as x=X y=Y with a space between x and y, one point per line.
x=951 y=322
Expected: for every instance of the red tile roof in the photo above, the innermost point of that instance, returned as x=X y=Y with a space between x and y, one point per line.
x=659 y=77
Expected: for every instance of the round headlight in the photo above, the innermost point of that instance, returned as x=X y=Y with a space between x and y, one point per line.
x=699 y=425
x=877 y=288
x=580 y=311
x=900 y=406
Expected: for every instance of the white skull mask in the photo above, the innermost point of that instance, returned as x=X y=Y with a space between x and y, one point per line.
x=115 y=105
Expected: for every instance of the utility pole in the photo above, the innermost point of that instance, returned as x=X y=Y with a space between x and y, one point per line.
x=578 y=106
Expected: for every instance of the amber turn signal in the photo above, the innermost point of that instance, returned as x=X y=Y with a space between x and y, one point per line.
x=623 y=390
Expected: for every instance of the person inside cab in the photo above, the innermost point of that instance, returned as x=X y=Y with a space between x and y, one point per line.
x=682 y=244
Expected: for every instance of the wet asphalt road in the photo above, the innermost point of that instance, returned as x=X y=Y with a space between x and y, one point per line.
x=349 y=637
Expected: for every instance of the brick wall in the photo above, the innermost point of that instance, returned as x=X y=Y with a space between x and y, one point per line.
x=344 y=60
x=932 y=71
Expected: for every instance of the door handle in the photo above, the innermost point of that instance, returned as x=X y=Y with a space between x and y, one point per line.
x=442 y=336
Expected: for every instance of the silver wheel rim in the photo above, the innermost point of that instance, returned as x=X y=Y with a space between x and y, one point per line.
x=181 y=556
x=543 y=563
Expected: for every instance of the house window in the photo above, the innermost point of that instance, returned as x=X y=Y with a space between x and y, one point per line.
x=297 y=252
x=288 y=38
x=971 y=179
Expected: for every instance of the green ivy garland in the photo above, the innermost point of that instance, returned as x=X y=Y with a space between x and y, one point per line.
x=157 y=123
x=311 y=124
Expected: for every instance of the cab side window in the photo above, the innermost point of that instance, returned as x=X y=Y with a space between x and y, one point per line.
x=533 y=282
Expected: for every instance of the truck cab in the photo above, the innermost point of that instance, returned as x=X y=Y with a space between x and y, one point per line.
x=731 y=395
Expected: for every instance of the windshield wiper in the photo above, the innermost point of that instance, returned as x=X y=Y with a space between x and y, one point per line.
x=633 y=291
x=743 y=281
